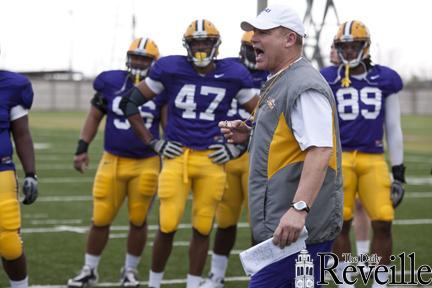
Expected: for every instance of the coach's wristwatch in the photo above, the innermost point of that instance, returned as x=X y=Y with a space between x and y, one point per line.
x=300 y=206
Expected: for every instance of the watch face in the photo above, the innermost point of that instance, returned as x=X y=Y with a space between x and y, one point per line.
x=300 y=205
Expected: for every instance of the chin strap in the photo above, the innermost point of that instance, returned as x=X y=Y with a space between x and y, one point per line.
x=346 y=82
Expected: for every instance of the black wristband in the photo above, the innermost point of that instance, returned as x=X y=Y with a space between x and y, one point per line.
x=82 y=147
x=398 y=172
x=31 y=174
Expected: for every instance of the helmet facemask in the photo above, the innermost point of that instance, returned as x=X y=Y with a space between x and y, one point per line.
x=138 y=66
x=248 y=56
x=140 y=56
x=201 y=50
x=361 y=49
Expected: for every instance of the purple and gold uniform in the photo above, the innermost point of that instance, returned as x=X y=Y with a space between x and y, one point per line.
x=127 y=166
x=196 y=103
x=16 y=97
x=229 y=210
x=361 y=121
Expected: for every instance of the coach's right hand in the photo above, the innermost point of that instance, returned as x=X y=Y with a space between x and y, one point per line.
x=236 y=132
x=164 y=148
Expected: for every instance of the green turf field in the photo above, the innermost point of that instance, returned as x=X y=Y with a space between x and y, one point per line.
x=54 y=228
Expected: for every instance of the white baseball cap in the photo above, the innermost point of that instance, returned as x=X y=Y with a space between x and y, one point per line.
x=274 y=16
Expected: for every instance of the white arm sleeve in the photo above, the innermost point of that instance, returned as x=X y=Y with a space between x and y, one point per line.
x=244 y=95
x=312 y=121
x=393 y=130
x=156 y=86
x=17 y=112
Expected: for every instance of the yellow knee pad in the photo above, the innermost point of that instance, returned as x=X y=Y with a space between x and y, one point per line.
x=384 y=213
x=168 y=224
x=203 y=224
x=10 y=220
x=227 y=215
x=347 y=213
x=103 y=213
x=10 y=245
x=138 y=213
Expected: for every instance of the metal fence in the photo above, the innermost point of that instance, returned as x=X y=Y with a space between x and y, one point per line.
x=64 y=95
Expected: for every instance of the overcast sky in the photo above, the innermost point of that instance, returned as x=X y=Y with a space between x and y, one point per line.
x=93 y=35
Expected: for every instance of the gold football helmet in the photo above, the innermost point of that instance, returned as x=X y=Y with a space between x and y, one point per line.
x=205 y=32
x=140 y=56
x=352 y=35
x=247 y=52
x=353 y=31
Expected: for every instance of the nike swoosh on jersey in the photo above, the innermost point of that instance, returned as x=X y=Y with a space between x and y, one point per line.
x=218 y=75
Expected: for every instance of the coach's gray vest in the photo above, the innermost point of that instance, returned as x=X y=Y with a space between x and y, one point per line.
x=276 y=160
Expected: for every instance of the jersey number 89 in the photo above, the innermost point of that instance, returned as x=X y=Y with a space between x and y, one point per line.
x=349 y=108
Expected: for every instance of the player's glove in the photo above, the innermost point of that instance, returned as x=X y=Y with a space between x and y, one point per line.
x=225 y=152
x=164 y=148
x=30 y=189
x=397 y=188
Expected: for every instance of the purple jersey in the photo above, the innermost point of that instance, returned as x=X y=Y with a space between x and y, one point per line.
x=196 y=103
x=15 y=90
x=259 y=77
x=361 y=106
x=120 y=138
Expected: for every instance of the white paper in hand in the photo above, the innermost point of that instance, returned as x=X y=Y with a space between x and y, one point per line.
x=265 y=253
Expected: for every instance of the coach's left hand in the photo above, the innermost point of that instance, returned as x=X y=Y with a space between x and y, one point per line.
x=289 y=228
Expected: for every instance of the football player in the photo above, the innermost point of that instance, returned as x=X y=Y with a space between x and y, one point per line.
x=235 y=196
x=361 y=222
x=128 y=168
x=368 y=104
x=199 y=89
x=16 y=98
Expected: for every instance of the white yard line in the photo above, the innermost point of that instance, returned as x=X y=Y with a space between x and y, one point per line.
x=56 y=221
x=42 y=146
x=418 y=195
x=419 y=180
x=83 y=198
x=181 y=281
x=60 y=167
x=144 y=283
x=66 y=198
x=59 y=180
x=83 y=229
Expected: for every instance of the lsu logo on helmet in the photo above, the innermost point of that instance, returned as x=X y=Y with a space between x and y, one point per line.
x=247 y=52
x=141 y=54
x=201 y=30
